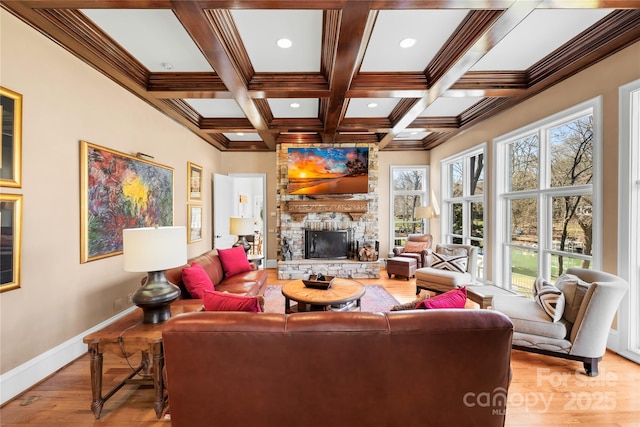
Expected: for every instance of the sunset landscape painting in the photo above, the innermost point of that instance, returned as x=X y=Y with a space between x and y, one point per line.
x=328 y=170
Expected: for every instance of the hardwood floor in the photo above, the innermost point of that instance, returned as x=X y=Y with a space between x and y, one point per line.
x=544 y=390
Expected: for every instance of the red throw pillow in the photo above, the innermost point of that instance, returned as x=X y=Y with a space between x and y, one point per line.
x=196 y=280
x=455 y=298
x=224 y=301
x=234 y=260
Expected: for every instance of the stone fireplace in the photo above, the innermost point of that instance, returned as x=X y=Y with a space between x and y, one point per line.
x=349 y=219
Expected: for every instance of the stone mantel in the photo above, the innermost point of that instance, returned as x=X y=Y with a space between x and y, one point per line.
x=298 y=209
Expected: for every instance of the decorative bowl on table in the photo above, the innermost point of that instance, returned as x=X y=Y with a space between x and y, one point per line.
x=318 y=281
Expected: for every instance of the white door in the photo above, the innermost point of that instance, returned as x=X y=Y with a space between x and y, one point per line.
x=222 y=211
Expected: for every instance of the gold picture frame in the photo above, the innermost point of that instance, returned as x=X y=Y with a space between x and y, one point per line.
x=11 y=148
x=119 y=191
x=194 y=231
x=194 y=182
x=10 y=241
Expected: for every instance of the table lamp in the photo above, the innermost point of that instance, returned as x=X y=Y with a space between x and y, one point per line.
x=154 y=250
x=241 y=227
x=423 y=212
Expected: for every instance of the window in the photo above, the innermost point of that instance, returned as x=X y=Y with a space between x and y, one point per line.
x=546 y=201
x=463 y=201
x=409 y=189
x=628 y=226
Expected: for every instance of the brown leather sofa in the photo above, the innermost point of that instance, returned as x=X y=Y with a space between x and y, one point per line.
x=251 y=283
x=407 y=368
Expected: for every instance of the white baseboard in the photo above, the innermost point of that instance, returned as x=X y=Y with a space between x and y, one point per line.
x=21 y=378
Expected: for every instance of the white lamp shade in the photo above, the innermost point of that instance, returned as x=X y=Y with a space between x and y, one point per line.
x=424 y=212
x=240 y=226
x=154 y=248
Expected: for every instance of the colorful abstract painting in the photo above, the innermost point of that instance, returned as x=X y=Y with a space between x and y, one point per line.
x=120 y=191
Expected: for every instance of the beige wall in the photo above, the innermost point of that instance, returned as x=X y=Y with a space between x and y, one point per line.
x=65 y=101
x=603 y=79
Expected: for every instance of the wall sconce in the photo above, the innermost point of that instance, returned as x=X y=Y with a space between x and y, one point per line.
x=154 y=250
x=241 y=227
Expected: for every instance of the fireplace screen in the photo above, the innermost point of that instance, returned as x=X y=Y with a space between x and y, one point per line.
x=327 y=244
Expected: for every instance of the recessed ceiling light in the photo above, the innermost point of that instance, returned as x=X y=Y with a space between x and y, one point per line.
x=284 y=43
x=408 y=42
x=240 y=134
x=294 y=105
x=167 y=66
x=372 y=105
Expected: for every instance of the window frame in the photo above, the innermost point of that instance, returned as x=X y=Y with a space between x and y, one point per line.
x=627 y=341
x=544 y=193
x=466 y=200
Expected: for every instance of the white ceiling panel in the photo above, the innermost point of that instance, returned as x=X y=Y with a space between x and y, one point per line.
x=541 y=32
x=216 y=108
x=251 y=136
x=359 y=107
x=261 y=29
x=154 y=37
x=444 y=107
x=412 y=135
x=430 y=29
x=282 y=108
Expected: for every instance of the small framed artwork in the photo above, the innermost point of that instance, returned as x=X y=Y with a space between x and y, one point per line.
x=11 y=151
x=194 y=181
x=195 y=223
x=10 y=241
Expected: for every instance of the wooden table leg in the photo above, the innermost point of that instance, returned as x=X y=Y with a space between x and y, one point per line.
x=95 y=365
x=158 y=379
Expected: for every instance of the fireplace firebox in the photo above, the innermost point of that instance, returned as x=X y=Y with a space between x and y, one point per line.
x=327 y=244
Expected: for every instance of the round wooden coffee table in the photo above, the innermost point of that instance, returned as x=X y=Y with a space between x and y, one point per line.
x=343 y=295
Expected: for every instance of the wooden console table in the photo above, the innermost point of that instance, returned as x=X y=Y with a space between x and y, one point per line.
x=125 y=337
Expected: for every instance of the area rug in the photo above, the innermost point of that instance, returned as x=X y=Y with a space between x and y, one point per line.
x=375 y=298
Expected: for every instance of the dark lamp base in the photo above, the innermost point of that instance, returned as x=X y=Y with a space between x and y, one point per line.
x=155 y=297
x=242 y=241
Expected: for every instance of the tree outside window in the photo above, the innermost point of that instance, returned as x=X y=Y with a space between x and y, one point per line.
x=549 y=197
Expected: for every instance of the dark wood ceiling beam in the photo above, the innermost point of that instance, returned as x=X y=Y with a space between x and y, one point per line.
x=356 y=24
x=405 y=145
x=225 y=27
x=358 y=138
x=285 y=85
x=378 y=125
x=616 y=31
x=299 y=138
x=436 y=124
x=187 y=85
x=496 y=32
x=297 y=125
x=201 y=25
x=243 y=146
x=471 y=28
x=234 y=124
x=492 y=80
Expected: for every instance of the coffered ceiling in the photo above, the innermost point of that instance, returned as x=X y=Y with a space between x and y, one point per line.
x=216 y=67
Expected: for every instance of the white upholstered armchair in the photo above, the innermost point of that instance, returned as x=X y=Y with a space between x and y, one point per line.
x=591 y=299
x=452 y=266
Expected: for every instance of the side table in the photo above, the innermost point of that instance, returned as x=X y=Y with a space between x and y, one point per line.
x=125 y=337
